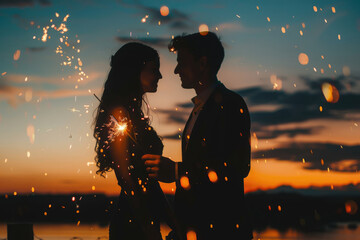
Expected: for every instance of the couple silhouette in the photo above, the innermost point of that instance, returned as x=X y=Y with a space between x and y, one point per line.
x=209 y=197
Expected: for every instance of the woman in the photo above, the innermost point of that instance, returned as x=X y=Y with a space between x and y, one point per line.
x=123 y=135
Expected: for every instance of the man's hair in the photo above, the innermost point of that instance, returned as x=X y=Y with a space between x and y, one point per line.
x=200 y=45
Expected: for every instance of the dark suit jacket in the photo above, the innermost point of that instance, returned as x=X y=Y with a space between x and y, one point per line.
x=220 y=143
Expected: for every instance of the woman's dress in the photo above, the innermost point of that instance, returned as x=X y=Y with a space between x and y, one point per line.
x=124 y=224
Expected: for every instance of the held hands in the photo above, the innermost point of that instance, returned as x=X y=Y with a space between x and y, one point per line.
x=159 y=167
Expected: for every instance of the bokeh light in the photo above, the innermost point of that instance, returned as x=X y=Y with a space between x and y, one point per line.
x=164 y=11
x=330 y=92
x=303 y=59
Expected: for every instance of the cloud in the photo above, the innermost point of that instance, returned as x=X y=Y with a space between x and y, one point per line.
x=302 y=105
x=336 y=157
x=231 y=26
x=175 y=20
x=23 y=3
x=11 y=79
x=271 y=134
x=156 y=42
x=175 y=136
x=17 y=95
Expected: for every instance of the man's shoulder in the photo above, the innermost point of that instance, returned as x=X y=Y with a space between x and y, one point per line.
x=224 y=95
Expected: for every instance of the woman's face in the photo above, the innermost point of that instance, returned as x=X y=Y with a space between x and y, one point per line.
x=150 y=75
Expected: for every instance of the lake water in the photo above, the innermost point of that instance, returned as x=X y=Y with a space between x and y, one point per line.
x=96 y=232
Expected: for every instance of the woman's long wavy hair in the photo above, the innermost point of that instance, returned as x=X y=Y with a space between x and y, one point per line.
x=122 y=89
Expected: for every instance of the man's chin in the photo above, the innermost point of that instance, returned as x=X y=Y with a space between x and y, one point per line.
x=185 y=86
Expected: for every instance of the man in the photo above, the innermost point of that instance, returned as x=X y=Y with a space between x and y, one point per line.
x=209 y=198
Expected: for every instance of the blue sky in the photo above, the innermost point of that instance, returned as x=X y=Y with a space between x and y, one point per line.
x=256 y=51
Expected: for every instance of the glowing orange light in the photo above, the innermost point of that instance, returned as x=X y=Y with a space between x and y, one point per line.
x=122 y=127
x=339 y=37
x=212 y=176
x=320 y=108
x=164 y=11
x=191 y=235
x=279 y=208
x=203 y=29
x=301 y=33
x=17 y=55
x=283 y=30
x=303 y=59
x=333 y=9
x=268 y=19
x=330 y=92
x=184 y=182
x=351 y=207
x=32 y=189
x=269 y=207
x=315 y=8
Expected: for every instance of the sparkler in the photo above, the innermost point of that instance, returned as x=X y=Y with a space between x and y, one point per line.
x=119 y=127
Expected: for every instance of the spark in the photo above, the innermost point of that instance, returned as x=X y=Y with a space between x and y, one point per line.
x=277 y=83
x=74 y=110
x=4 y=73
x=57 y=15
x=237 y=15
x=66 y=17
x=26 y=79
x=17 y=55
x=339 y=37
x=283 y=30
x=333 y=9
x=28 y=154
x=315 y=8
x=268 y=19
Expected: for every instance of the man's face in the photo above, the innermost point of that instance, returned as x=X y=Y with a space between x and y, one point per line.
x=188 y=69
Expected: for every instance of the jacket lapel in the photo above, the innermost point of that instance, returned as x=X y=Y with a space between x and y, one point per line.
x=202 y=115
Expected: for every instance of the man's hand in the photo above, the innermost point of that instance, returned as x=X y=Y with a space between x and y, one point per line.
x=159 y=167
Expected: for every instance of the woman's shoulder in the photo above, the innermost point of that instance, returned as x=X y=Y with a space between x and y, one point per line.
x=119 y=112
